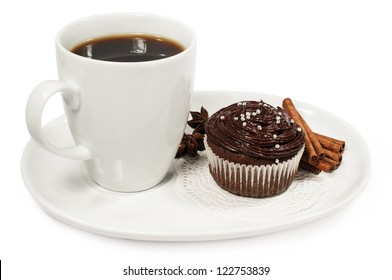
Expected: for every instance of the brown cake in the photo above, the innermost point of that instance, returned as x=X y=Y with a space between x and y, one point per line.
x=253 y=149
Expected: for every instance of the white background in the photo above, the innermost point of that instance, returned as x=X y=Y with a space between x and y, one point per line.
x=333 y=54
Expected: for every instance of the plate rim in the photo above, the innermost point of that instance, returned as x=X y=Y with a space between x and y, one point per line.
x=270 y=227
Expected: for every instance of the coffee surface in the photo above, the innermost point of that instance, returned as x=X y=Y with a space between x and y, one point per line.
x=128 y=48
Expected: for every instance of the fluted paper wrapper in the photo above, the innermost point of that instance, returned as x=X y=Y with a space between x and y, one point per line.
x=250 y=180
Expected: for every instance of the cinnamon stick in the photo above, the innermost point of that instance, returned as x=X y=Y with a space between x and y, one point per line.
x=314 y=151
x=330 y=143
x=322 y=153
x=324 y=165
x=332 y=155
x=305 y=165
x=333 y=164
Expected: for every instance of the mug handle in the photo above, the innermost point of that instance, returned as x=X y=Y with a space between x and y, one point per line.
x=34 y=109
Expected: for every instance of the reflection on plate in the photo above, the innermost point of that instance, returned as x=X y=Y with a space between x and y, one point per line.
x=63 y=189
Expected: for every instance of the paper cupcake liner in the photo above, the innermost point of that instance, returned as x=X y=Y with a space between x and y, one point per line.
x=250 y=180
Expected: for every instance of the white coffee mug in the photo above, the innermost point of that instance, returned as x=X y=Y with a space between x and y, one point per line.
x=126 y=118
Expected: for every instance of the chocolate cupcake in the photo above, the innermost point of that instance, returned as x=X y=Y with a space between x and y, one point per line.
x=253 y=149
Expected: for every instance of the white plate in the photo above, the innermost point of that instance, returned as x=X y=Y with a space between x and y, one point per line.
x=62 y=187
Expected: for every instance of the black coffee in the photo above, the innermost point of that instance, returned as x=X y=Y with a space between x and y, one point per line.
x=128 y=48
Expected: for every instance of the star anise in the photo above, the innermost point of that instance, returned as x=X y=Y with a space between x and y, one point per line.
x=199 y=139
x=190 y=144
x=198 y=120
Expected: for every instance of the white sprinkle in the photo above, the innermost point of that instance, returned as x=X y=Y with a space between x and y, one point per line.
x=259 y=127
x=279 y=113
x=254 y=114
x=222 y=117
x=248 y=117
x=277 y=146
x=239 y=103
x=276 y=161
x=244 y=124
x=236 y=118
x=277 y=121
x=292 y=120
x=299 y=129
x=258 y=111
x=277 y=118
x=243 y=119
x=242 y=115
x=274 y=136
x=247 y=113
x=243 y=103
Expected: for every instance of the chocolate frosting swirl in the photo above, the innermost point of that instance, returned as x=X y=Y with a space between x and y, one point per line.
x=255 y=129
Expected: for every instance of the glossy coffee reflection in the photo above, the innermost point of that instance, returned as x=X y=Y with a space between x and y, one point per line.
x=128 y=48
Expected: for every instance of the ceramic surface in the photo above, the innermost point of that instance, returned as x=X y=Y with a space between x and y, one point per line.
x=122 y=116
x=63 y=187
